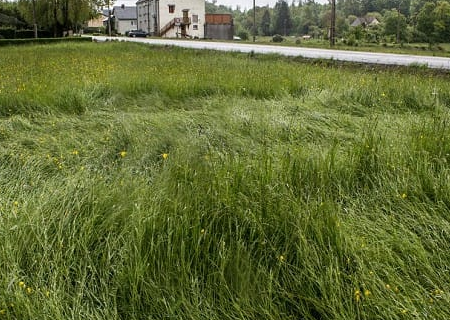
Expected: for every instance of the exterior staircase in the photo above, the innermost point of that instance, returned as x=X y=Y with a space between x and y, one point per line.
x=169 y=25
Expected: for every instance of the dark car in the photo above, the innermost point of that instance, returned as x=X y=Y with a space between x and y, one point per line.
x=136 y=33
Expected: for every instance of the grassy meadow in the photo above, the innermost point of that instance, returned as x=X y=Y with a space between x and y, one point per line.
x=143 y=182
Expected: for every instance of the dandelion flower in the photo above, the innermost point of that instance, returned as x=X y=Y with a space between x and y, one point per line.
x=367 y=293
x=281 y=258
x=202 y=231
x=29 y=290
x=21 y=284
x=357 y=295
x=388 y=286
x=404 y=196
x=165 y=156
x=16 y=203
x=123 y=154
x=75 y=152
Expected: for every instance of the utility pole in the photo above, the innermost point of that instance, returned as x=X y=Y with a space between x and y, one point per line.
x=254 y=21
x=333 y=23
x=398 y=22
x=34 y=20
x=109 y=19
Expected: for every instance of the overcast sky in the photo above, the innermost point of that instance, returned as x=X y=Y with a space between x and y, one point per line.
x=244 y=4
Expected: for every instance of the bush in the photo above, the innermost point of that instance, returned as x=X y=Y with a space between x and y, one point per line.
x=243 y=35
x=7 y=33
x=8 y=42
x=94 y=30
x=277 y=38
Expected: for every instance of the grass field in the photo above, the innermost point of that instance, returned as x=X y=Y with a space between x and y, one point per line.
x=145 y=182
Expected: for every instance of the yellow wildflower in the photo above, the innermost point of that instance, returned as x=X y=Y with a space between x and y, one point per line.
x=357 y=295
x=123 y=154
x=165 y=156
x=404 y=196
x=29 y=290
x=388 y=286
x=367 y=293
x=21 y=284
x=281 y=258
x=75 y=152
x=16 y=203
x=202 y=231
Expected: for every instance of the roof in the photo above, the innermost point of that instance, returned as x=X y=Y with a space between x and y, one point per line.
x=125 y=13
x=367 y=21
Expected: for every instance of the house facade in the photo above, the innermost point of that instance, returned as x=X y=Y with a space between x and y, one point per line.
x=172 y=18
x=125 y=19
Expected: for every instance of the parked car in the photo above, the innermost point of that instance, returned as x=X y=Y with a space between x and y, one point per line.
x=136 y=33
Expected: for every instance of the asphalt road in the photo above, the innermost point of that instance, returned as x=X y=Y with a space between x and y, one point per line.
x=352 y=56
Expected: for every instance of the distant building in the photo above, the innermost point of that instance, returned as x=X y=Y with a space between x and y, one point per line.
x=219 y=26
x=365 y=22
x=125 y=19
x=172 y=18
x=100 y=20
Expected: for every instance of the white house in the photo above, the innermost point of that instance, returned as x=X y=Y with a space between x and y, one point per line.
x=125 y=19
x=172 y=18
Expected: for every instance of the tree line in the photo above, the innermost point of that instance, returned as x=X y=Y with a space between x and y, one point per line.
x=397 y=20
x=53 y=16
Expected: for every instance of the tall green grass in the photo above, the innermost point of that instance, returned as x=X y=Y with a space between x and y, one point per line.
x=145 y=184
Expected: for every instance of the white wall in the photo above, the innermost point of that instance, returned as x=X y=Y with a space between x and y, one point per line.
x=196 y=7
x=123 y=26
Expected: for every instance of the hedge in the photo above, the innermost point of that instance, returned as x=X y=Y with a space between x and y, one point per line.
x=12 y=33
x=8 y=42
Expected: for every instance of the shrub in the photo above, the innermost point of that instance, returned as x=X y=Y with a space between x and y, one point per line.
x=243 y=35
x=7 y=33
x=7 y=42
x=277 y=38
x=94 y=30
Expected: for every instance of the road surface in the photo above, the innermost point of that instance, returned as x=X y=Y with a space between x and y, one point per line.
x=341 y=55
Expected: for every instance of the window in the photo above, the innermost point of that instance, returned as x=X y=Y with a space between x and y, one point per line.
x=171 y=8
x=195 y=18
x=195 y=27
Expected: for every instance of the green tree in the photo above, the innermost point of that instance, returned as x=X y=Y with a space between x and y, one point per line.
x=57 y=15
x=425 y=22
x=283 y=21
x=265 y=23
x=395 y=25
x=442 y=21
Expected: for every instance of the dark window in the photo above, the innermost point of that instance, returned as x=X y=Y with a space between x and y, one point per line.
x=171 y=8
x=195 y=18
